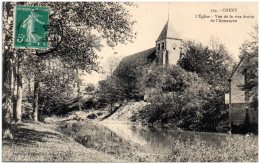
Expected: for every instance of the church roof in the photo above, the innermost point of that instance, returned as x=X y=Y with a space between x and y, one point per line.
x=168 y=32
x=138 y=59
x=140 y=56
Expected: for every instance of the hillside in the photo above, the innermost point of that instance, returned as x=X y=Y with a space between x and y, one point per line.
x=39 y=142
x=124 y=113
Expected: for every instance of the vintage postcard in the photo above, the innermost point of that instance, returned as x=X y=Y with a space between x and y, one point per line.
x=129 y=81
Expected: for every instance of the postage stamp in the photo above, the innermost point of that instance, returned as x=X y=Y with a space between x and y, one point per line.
x=31 y=27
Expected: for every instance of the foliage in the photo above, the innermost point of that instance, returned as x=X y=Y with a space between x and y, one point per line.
x=180 y=98
x=213 y=65
x=189 y=95
x=90 y=88
x=73 y=40
x=110 y=91
x=129 y=77
x=170 y=79
x=111 y=64
x=234 y=149
x=249 y=53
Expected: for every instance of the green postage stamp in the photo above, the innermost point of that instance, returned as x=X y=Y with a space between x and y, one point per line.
x=31 y=27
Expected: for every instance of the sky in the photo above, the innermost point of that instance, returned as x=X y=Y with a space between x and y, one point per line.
x=152 y=16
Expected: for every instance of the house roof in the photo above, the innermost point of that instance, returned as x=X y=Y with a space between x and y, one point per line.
x=168 y=32
x=236 y=68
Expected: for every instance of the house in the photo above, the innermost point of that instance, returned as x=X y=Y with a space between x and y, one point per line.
x=240 y=112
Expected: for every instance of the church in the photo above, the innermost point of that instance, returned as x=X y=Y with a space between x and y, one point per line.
x=168 y=46
x=167 y=50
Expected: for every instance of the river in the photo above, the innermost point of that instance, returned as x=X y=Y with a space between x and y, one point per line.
x=160 y=140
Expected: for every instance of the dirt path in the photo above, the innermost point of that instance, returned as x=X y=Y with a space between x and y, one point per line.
x=38 y=142
x=124 y=113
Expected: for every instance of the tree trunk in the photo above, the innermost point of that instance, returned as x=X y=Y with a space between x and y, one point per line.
x=65 y=80
x=29 y=87
x=79 y=92
x=19 y=93
x=7 y=107
x=14 y=87
x=36 y=99
x=67 y=83
x=13 y=84
x=6 y=83
x=78 y=83
x=7 y=97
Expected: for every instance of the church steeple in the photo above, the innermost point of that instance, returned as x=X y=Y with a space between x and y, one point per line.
x=168 y=45
x=168 y=32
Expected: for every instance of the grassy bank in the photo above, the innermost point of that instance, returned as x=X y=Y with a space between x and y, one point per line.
x=37 y=142
x=86 y=141
x=97 y=137
x=236 y=148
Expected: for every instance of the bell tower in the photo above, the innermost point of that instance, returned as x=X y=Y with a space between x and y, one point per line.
x=168 y=46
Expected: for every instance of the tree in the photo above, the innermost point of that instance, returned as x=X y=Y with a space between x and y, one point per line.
x=213 y=64
x=7 y=72
x=249 y=51
x=111 y=64
x=177 y=97
x=129 y=75
x=191 y=94
x=167 y=79
x=74 y=39
x=110 y=91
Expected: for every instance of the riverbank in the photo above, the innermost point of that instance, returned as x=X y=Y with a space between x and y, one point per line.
x=94 y=135
x=234 y=148
x=68 y=140
x=38 y=142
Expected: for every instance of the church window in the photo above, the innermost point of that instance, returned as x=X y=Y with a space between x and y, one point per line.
x=162 y=45
x=158 y=47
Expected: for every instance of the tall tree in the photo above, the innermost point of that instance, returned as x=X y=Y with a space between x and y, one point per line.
x=129 y=75
x=249 y=51
x=111 y=64
x=214 y=65
x=110 y=91
x=6 y=84
x=75 y=33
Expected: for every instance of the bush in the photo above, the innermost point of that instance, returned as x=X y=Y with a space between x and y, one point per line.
x=234 y=149
x=184 y=99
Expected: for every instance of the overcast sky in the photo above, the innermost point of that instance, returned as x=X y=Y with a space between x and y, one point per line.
x=151 y=17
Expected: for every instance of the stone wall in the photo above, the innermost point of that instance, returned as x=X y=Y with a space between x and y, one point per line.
x=237 y=95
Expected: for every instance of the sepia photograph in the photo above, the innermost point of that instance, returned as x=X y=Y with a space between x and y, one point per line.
x=129 y=81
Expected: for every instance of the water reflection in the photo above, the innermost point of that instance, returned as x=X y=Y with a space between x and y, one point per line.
x=162 y=141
